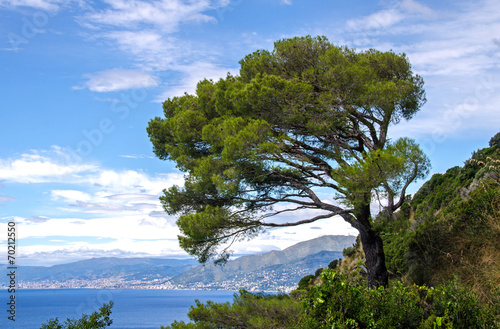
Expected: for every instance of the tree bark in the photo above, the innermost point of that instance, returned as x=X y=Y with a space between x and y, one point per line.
x=375 y=258
x=372 y=246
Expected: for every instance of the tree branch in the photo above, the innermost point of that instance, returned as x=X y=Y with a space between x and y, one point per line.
x=306 y=221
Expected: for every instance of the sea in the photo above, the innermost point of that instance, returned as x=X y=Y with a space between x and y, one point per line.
x=133 y=308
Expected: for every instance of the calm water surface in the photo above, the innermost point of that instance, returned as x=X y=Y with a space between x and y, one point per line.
x=133 y=308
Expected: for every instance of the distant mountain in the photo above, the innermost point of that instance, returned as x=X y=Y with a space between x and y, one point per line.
x=105 y=267
x=268 y=270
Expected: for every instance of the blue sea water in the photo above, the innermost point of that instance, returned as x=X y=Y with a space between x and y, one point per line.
x=133 y=308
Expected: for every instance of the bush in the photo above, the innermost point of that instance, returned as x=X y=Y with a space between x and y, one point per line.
x=257 y=311
x=93 y=321
x=334 y=264
x=305 y=281
x=337 y=303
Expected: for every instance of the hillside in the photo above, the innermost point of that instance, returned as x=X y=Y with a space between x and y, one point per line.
x=449 y=229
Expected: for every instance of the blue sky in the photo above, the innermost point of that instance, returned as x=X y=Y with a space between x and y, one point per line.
x=81 y=79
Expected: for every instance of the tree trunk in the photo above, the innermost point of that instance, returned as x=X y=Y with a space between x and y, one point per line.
x=375 y=258
x=372 y=246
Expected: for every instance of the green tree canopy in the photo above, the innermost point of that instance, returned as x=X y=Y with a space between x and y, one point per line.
x=96 y=320
x=308 y=115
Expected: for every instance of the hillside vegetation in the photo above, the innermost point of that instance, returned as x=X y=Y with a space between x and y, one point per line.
x=443 y=253
x=450 y=228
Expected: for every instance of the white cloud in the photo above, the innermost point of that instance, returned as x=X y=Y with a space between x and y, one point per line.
x=122 y=236
x=165 y=15
x=54 y=166
x=133 y=196
x=387 y=18
x=98 y=208
x=411 y=6
x=151 y=49
x=192 y=74
x=120 y=182
x=42 y=255
x=92 y=190
x=459 y=42
x=6 y=198
x=48 y=5
x=114 y=226
x=36 y=219
x=70 y=195
x=118 y=79
x=379 y=20
x=144 y=29
x=38 y=167
x=454 y=51
x=136 y=156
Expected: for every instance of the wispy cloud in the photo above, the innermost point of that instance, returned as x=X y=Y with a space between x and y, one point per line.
x=118 y=79
x=136 y=156
x=133 y=196
x=165 y=15
x=150 y=49
x=92 y=207
x=38 y=167
x=55 y=255
x=386 y=18
x=121 y=236
x=146 y=31
x=379 y=20
x=53 y=166
x=157 y=213
x=92 y=190
x=460 y=41
x=48 y=5
x=37 y=219
x=70 y=195
x=454 y=51
x=6 y=198
x=192 y=74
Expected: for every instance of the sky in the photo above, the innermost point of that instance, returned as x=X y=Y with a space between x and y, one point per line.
x=81 y=79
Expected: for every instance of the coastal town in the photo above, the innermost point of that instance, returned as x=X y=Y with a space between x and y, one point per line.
x=267 y=280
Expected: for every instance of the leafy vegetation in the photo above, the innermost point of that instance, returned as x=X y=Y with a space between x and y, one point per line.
x=450 y=228
x=339 y=303
x=96 y=320
x=259 y=311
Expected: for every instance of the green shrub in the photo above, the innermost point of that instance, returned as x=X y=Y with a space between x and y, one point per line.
x=337 y=303
x=252 y=311
x=305 y=281
x=334 y=264
x=94 y=321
